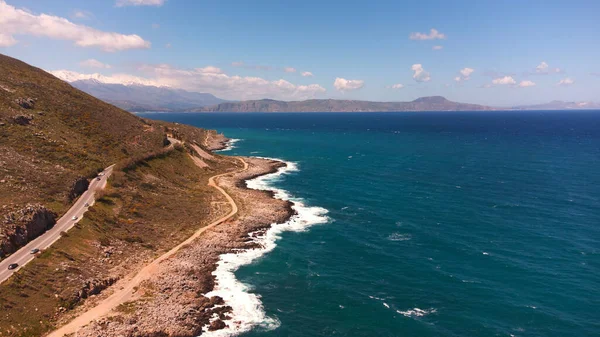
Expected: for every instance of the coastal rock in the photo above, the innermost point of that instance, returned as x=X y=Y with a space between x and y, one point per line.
x=26 y=103
x=79 y=186
x=179 y=305
x=24 y=225
x=217 y=324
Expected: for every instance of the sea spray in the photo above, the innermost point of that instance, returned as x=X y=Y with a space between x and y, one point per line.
x=247 y=309
x=230 y=145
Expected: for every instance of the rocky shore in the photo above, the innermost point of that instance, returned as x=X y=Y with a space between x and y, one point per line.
x=172 y=301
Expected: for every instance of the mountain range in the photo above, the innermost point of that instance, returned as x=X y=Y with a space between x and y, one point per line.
x=137 y=97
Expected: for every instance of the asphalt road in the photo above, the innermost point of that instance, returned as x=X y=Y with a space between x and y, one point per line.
x=23 y=255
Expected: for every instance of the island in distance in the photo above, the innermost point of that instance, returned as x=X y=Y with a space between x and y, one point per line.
x=138 y=98
x=431 y=103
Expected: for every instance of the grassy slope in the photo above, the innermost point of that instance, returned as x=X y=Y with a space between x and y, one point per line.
x=71 y=134
x=152 y=202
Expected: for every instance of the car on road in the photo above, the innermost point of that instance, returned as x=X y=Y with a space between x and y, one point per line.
x=34 y=251
x=101 y=174
x=98 y=178
x=13 y=266
x=74 y=218
x=86 y=205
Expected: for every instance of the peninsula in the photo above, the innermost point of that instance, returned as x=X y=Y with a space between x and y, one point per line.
x=138 y=241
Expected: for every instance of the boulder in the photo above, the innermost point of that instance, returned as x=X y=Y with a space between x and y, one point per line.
x=23 y=119
x=26 y=103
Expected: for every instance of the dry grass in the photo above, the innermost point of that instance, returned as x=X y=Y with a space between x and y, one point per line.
x=135 y=219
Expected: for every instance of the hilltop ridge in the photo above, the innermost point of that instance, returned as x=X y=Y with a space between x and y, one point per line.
x=431 y=103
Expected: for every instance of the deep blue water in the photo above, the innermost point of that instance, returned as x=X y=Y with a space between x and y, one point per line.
x=442 y=224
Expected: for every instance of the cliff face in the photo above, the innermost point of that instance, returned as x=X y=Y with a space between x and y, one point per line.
x=79 y=186
x=433 y=103
x=24 y=225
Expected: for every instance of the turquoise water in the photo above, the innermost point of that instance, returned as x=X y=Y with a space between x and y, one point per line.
x=440 y=224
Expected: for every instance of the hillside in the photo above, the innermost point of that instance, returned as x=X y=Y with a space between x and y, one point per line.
x=138 y=97
x=51 y=134
x=53 y=139
x=433 y=103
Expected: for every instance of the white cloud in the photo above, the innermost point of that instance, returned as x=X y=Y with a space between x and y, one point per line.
x=465 y=74
x=122 y=3
x=437 y=47
x=7 y=40
x=396 y=86
x=207 y=79
x=565 y=82
x=506 y=80
x=420 y=74
x=343 y=84
x=433 y=35
x=93 y=63
x=81 y=14
x=544 y=68
x=15 y=21
x=289 y=70
x=210 y=70
x=307 y=74
x=524 y=84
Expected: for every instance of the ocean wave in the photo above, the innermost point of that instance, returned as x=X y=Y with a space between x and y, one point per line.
x=230 y=145
x=247 y=309
x=399 y=237
x=416 y=312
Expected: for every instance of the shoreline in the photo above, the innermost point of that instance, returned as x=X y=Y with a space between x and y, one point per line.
x=177 y=299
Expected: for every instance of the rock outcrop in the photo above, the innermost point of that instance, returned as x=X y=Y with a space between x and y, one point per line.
x=26 y=103
x=23 y=119
x=94 y=287
x=79 y=186
x=20 y=227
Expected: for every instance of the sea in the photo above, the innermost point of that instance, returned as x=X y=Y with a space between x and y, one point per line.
x=419 y=224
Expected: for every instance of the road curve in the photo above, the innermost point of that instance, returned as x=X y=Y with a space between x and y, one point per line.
x=66 y=222
x=124 y=294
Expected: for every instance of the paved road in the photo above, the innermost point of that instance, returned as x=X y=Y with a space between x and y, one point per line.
x=23 y=255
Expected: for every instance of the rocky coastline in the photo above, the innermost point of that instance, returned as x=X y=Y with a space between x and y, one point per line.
x=172 y=302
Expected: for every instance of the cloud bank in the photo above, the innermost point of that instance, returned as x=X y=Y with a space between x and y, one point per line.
x=207 y=79
x=15 y=21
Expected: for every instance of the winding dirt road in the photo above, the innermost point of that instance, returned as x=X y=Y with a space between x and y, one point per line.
x=125 y=293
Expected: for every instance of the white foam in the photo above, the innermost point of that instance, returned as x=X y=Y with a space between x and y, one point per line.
x=399 y=237
x=248 y=311
x=230 y=145
x=416 y=312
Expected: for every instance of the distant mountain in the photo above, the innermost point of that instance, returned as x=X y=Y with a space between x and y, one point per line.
x=137 y=97
x=560 y=105
x=432 y=103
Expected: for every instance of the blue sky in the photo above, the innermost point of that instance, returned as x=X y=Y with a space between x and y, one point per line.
x=242 y=49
